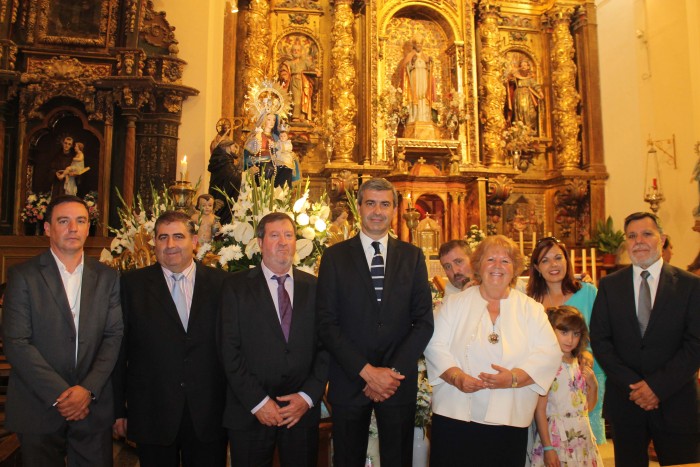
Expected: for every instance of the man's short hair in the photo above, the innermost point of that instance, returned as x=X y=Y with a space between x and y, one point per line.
x=377 y=184
x=168 y=217
x=62 y=199
x=446 y=247
x=641 y=215
x=667 y=242
x=269 y=218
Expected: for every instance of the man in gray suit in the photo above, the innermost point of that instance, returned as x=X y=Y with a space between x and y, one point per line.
x=62 y=329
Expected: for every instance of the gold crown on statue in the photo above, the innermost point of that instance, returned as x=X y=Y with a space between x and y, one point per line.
x=267 y=96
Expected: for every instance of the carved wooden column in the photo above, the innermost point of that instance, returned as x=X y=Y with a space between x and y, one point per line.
x=454 y=216
x=342 y=83
x=256 y=48
x=462 y=215
x=566 y=98
x=129 y=160
x=493 y=93
x=229 y=63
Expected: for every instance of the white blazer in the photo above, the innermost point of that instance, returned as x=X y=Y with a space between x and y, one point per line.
x=528 y=342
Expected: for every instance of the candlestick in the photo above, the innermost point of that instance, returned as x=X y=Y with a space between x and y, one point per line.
x=593 y=262
x=408 y=197
x=522 y=247
x=183 y=168
x=583 y=260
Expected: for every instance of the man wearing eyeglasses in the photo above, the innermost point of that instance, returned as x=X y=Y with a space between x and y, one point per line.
x=645 y=332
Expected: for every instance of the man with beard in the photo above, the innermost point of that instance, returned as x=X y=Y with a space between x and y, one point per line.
x=645 y=332
x=376 y=318
x=454 y=258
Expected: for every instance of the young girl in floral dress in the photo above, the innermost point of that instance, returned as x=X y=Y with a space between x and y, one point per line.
x=564 y=432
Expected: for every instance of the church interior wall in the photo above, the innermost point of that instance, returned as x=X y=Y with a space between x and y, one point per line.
x=650 y=87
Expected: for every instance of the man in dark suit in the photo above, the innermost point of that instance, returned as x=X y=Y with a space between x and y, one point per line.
x=170 y=384
x=376 y=318
x=645 y=332
x=275 y=370
x=59 y=399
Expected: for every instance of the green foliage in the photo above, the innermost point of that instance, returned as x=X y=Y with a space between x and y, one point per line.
x=607 y=239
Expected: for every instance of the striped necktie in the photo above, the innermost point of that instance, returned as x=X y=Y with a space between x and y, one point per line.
x=377 y=271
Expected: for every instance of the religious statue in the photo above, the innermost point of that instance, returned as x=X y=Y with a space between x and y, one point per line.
x=696 y=177
x=209 y=223
x=225 y=176
x=524 y=96
x=260 y=147
x=298 y=74
x=74 y=170
x=339 y=228
x=417 y=81
x=59 y=163
x=223 y=131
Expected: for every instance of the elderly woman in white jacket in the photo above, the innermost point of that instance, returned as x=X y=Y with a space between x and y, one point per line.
x=493 y=353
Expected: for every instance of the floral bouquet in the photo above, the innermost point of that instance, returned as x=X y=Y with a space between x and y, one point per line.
x=474 y=237
x=35 y=207
x=519 y=137
x=391 y=108
x=136 y=231
x=91 y=201
x=455 y=113
x=425 y=392
x=236 y=245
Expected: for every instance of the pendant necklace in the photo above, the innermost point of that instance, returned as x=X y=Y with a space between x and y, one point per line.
x=493 y=337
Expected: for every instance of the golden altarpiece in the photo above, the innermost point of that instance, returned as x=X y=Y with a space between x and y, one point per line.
x=480 y=112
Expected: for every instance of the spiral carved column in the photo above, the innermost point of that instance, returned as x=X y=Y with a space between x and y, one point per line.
x=342 y=83
x=492 y=92
x=566 y=98
x=256 y=51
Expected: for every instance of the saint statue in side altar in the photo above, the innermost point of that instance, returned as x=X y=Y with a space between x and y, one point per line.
x=418 y=84
x=524 y=96
x=298 y=74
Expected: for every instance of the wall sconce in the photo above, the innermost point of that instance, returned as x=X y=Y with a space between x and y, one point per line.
x=234 y=6
x=652 y=179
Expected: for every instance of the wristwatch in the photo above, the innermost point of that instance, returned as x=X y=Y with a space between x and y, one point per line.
x=514 y=380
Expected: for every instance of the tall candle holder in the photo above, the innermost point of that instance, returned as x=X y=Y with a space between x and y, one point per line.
x=412 y=216
x=181 y=192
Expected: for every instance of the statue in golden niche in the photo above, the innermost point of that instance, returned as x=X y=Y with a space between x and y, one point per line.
x=298 y=72
x=524 y=95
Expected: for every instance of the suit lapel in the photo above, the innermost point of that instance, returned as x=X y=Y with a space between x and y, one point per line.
x=667 y=282
x=262 y=296
x=629 y=300
x=301 y=296
x=359 y=259
x=158 y=288
x=199 y=294
x=87 y=294
x=54 y=284
x=392 y=266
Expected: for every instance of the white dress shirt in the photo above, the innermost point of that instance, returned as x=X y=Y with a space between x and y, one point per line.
x=186 y=284
x=72 y=284
x=369 y=249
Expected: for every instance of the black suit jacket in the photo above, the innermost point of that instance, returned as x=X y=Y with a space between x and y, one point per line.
x=357 y=330
x=40 y=343
x=667 y=357
x=161 y=366
x=257 y=359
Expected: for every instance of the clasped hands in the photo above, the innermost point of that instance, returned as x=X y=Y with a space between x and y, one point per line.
x=73 y=403
x=382 y=383
x=643 y=396
x=502 y=379
x=271 y=414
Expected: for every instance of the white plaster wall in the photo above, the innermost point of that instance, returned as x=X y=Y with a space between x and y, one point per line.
x=199 y=29
x=649 y=82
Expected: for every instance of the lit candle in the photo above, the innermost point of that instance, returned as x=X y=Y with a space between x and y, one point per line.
x=183 y=168
x=408 y=197
x=583 y=260
x=522 y=247
x=593 y=266
x=573 y=260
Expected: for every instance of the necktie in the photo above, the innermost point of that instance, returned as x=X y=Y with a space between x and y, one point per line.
x=178 y=294
x=285 y=305
x=644 y=303
x=377 y=271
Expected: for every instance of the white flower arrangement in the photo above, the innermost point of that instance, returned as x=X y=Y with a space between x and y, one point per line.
x=474 y=237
